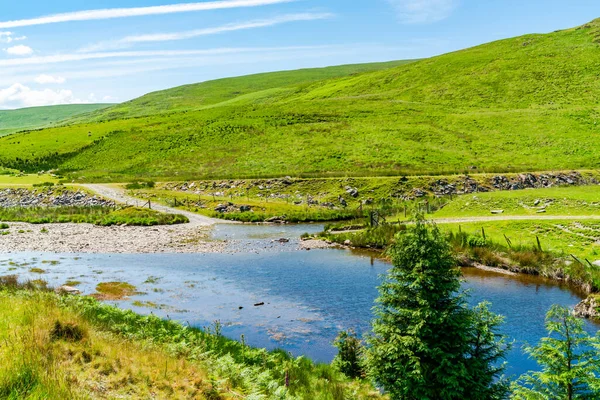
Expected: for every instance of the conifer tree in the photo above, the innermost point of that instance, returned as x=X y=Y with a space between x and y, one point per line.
x=427 y=343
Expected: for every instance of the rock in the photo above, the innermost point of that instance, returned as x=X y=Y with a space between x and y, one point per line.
x=262 y=303
x=245 y=208
x=587 y=308
x=342 y=201
x=67 y=290
x=347 y=242
x=279 y=219
x=537 y=202
x=352 y=191
x=283 y=240
x=497 y=211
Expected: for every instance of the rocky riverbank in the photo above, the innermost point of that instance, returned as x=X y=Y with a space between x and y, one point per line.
x=86 y=238
x=51 y=197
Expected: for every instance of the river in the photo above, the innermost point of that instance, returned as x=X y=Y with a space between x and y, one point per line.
x=306 y=297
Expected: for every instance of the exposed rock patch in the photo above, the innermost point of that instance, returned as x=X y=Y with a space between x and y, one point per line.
x=588 y=308
x=50 y=198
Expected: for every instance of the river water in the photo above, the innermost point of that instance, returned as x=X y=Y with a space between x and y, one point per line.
x=308 y=296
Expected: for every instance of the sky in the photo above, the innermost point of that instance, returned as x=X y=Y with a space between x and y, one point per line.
x=65 y=51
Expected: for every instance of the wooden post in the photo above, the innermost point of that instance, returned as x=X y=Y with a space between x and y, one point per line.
x=483 y=233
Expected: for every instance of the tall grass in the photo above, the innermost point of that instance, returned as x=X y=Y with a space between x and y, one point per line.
x=97 y=215
x=133 y=355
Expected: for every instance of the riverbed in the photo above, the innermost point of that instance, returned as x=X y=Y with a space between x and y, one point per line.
x=279 y=295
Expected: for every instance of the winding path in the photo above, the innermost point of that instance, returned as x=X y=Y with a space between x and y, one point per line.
x=119 y=195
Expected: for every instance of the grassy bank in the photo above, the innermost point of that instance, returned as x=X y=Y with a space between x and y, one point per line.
x=76 y=347
x=102 y=216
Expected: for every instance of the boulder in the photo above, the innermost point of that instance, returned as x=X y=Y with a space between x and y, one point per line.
x=587 y=308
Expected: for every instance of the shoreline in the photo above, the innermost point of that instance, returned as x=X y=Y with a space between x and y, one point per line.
x=93 y=239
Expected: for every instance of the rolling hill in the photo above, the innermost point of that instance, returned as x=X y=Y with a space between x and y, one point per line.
x=207 y=94
x=39 y=117
x=520 y=104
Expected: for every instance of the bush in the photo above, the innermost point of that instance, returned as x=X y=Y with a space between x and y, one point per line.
x=349 y=357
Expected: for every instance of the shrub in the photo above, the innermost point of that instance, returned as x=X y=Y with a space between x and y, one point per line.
x=68 y=332
x=350 y=351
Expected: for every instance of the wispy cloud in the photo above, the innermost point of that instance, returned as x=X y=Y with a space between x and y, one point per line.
x=63 y=58
x=111 y=13
x=164 y=37
x=423 y=11
x=20 y=50
x=8 y=37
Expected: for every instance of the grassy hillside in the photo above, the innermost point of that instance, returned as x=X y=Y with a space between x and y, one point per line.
x=201 y=95
x=40 y=117
x=526 y=103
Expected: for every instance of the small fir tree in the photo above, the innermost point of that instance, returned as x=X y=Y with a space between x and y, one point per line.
x=426 y=342
x=570 y=361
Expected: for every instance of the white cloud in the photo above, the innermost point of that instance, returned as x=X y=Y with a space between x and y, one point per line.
x=46 y=79
x=18 y=96
x=423 y=11
x=20 y=50
x=164 y=37
x=63 y=58
x=7 y=37
x=89 y=15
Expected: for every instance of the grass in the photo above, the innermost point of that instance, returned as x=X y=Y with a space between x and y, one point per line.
x=520 y=104
x=96 y=215
x=577 y=201
x=16 y=179
x=263 y=208
x=76 y=347
x=114 y=291
x=562 y=238
x=38 y=117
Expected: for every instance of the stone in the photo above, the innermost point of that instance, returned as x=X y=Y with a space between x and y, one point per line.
x=67 y=290
x=347 y=242
x=587 y=308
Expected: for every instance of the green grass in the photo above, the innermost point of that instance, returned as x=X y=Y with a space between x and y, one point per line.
x=15 y=179
x=78 y=348
x=576 y=201
x=562 y=238
x=520 y=104
x=96 y=215
x=40 y=117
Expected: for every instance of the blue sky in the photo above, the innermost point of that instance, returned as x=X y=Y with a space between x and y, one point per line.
x=64 y=51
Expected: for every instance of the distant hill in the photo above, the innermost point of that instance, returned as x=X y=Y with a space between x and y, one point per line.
x=39 y=117
x=520 y=104
x=205 y=94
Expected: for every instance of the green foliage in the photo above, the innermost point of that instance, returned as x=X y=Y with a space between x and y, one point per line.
x=140 y=185
x=350 y=352
x=97 y=215
x=38 y=117
x=570 y=361
x=426 y=342
x=375 y=238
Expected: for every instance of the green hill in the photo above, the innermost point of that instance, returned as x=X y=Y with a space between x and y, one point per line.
x=207 y=94
x=40 y=117
x=526 y=103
